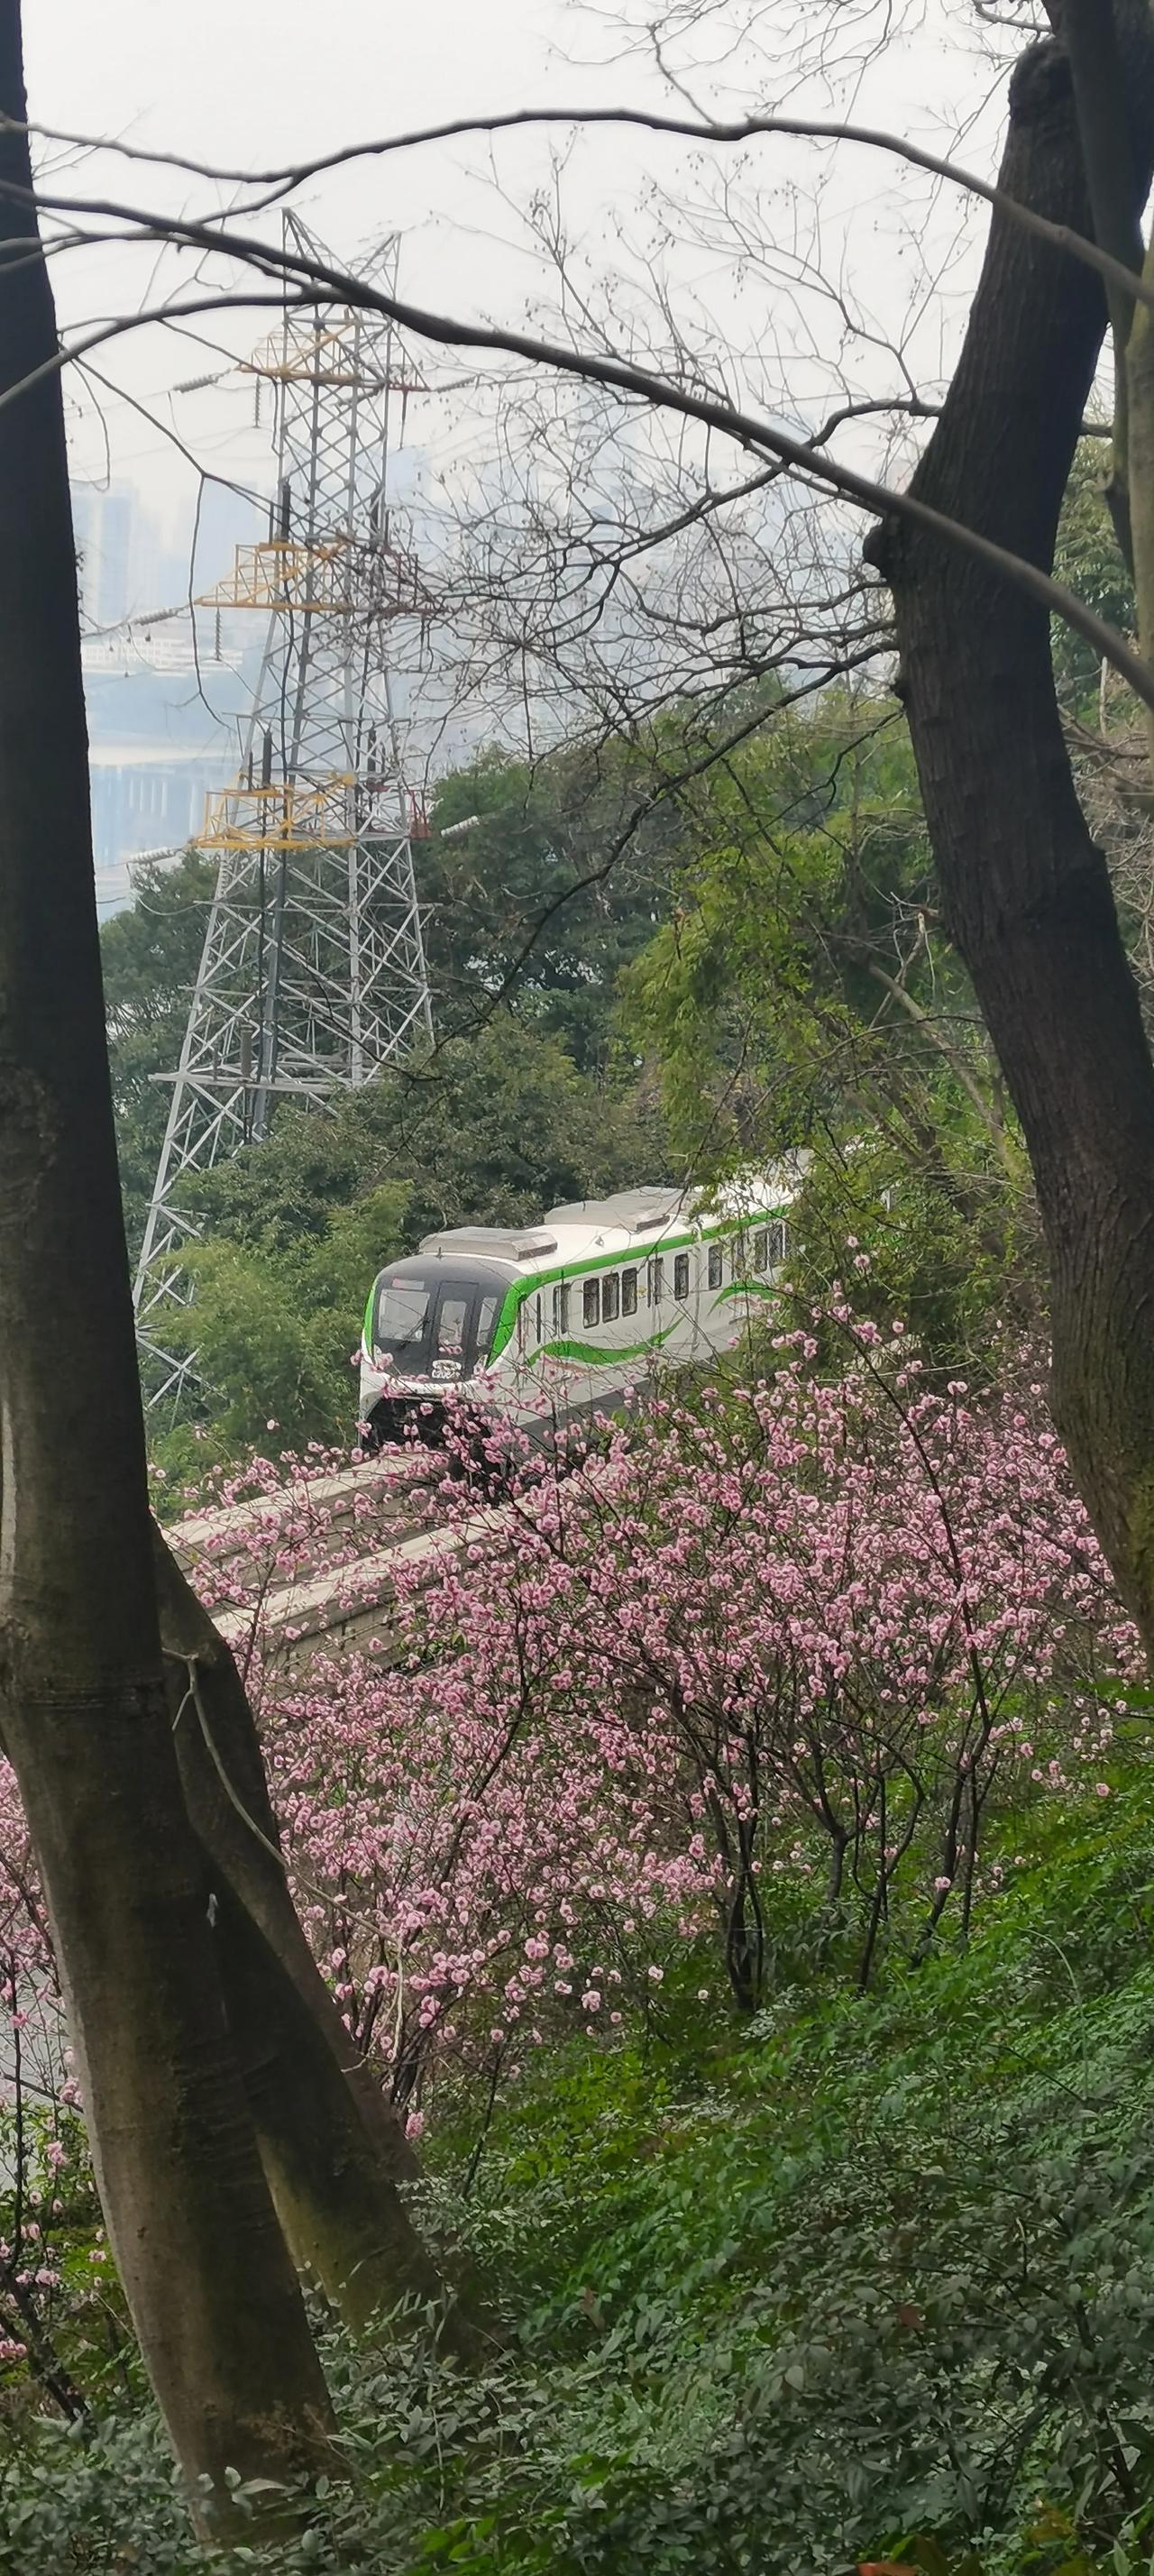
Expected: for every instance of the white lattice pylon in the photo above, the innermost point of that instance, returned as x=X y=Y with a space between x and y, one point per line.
x=312 y=976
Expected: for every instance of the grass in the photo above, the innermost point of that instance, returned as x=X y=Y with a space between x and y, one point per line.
x=869 y=2278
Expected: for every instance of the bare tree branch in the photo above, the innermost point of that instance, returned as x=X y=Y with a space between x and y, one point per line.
x=878 y=500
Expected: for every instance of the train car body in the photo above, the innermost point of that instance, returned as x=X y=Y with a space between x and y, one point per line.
x=547 y=1322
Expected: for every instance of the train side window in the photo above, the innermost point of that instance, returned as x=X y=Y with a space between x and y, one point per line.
x=714 y=1265
x=761 y=1249
x=737 y=1257
x=610 y=1297
x=486 y=1322
x=655 y=1287
x=591 y=1302
x=628 y=1292
x=561 y=1306
x=539 y=1317
x=779 y=1240
x=681 y=1276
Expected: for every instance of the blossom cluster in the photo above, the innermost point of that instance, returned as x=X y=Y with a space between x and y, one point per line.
x=793 y=1645
x=771 y=1654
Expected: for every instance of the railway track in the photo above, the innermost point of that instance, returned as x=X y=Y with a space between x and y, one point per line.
x=314 y=1567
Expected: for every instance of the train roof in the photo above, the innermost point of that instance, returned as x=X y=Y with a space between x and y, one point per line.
x=628 y=1221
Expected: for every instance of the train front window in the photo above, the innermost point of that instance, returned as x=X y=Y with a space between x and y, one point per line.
x=450 y=1334
x=401 y=1323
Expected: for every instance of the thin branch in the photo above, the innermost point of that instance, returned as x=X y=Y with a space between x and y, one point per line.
x=744 y=129
x=878 y=500
x=954 y=1058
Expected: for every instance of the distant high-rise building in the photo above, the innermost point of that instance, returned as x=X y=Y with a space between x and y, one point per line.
x=225 y=519
x=124 y=570
x=103 y=520
x=156 y=747
x=116 y=535
x=102 y=517
x=86 y=501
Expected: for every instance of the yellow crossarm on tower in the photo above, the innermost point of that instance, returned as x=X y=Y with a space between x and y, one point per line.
x=304 y=355
x=278 y=573
x=283 y=816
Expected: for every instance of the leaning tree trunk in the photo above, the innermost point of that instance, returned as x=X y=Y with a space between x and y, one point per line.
x=213 y=2295
x=333 y=2148
x=1026 y=892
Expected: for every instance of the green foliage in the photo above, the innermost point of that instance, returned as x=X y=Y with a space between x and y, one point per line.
x=63 y=2323
x=870 y=2281
x=275 y=1325
x=493 y=1127
x=805 y=845
x=525 y=897
x=945 y=1247
x=149 y=957
x=1087 y=558
x=801 y=996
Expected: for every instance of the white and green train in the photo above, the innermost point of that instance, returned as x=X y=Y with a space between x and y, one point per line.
x=550 y=1321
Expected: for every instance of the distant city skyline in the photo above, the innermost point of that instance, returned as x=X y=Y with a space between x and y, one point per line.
x=166 y=689
x=130 y=566
x=157 y=742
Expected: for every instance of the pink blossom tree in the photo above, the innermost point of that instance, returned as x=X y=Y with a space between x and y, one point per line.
x=763 y=1667
x=786 y=1649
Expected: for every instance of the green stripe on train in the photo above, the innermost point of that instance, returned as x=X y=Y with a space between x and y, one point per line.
x=520 y=1289
x=744 y=1288
x=599 y=1355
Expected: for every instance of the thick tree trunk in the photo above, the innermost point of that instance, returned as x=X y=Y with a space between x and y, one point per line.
x=333 y=2148
x=1026 y=891
x=213 y=2295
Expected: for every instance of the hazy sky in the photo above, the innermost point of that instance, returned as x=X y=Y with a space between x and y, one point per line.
x=260 y=81
x=247 y=82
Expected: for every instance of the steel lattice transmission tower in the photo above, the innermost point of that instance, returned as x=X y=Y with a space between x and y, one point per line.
x=312 y=975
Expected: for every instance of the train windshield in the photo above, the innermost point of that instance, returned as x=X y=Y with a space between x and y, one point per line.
x=442 y=1328
x=402 y=1322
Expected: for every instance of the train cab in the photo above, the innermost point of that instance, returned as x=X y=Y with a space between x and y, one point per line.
x=430 y=1324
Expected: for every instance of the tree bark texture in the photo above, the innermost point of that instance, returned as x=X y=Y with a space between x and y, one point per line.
x=334 y=2150
x=1026 y=892
x=213 y=2294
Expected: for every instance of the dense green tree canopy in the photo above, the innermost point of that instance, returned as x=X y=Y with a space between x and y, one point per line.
x=802 y=995
x=536 y=895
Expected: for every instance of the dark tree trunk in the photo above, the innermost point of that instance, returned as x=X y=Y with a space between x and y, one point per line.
x=1026 y=891
x=213 y=2295
x=334 y=2150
